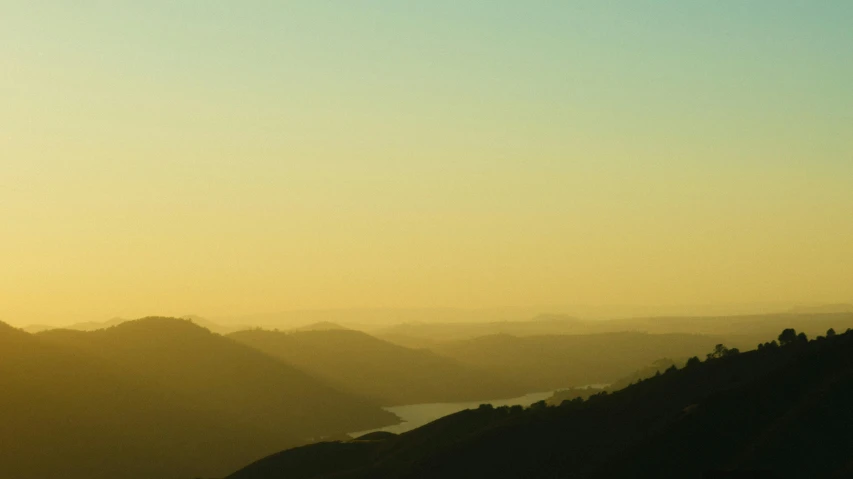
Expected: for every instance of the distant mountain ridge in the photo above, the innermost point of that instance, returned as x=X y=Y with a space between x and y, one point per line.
x=321 y=326
x=823 y=309
x=753 y=327
x=95 y=325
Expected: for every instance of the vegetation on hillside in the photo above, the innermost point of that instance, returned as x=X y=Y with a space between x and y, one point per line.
x=780 y=411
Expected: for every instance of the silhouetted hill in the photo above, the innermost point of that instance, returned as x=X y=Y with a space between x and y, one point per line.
x=208 y=324
x=218 y=372
x=658 y=367
x=426 y=334
x=36 y=328
x=780 y=412
x=94 y=325
x=368 y=366
x=321 y=326
x=71 y=415
x=748 y=329
x=823 y=309
x=156 y=397
x=558 y=361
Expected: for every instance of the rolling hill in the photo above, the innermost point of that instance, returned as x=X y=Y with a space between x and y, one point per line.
x=776 y=412
x=157 y=397
x=392 y=374
x=558 y=361
x=749 y=329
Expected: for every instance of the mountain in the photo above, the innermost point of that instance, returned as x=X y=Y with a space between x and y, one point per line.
x=776 y=412
x=744 y=328
x=427 y=334
x=559 y=361
x=321 y=326
x=393 y=375
x=36 y=328
x=72 y=415
x=208 y=324
x=823 y=309
x=157 y=397
x=94 y=325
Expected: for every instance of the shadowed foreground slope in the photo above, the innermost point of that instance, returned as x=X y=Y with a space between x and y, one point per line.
x=784 y=411
x=394 y=375
x=155 y=398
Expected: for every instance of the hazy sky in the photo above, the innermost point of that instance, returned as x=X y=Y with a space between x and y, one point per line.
x=168 y=157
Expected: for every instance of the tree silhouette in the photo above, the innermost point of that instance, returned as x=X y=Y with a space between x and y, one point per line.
x=694 y=361
x=720 y=351
x=830 y=333
x=787 y=336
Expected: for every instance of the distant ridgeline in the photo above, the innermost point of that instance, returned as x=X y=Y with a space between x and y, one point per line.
x=781 y=411
x=167 y=398
x=390 y=374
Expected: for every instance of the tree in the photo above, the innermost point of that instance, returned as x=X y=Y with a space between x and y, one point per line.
x=830 y=333
x=572 y=402
x=694 y=361
x=802 y=338
x=719 y=351
x=788 y=336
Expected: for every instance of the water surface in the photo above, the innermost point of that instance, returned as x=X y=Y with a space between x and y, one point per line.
x=416 y=415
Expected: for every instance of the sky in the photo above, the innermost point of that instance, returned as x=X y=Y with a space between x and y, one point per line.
x=222 y=158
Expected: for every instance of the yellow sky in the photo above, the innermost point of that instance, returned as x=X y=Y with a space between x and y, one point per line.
x=219 y=160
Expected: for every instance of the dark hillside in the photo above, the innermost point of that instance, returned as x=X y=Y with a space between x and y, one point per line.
x=780 y=412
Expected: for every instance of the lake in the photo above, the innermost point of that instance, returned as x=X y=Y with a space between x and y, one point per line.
x=416 y=415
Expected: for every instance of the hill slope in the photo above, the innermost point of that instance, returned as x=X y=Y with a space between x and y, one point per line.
x=155 y=398
x=72 y=415
x=736 y=328
x=394 y=375
x=558 y=361
x=781 y=412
